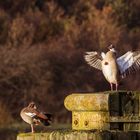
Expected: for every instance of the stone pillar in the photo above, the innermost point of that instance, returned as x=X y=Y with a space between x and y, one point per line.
x=89 y=111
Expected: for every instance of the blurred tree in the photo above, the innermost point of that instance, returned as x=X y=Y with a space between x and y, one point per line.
x=127 y=12
x=4 y=24
x=21 y=33
x=42 y=44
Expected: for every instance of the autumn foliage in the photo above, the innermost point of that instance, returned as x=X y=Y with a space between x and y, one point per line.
x=42 y=44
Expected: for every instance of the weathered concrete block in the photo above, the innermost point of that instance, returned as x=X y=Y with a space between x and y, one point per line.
x=89 y=111
x=87 y=102
x=90 y=120
x=105 y=110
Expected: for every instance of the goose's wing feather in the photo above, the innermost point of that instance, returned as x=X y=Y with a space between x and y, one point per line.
x=103 y=55
x=93 y=59
x=35 y=113
x=30 y=112
x=129 y=63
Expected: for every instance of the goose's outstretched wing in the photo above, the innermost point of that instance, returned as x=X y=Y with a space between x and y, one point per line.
x=93 y=59
x=129 y=63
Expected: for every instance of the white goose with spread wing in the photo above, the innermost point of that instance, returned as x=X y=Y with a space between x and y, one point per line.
x=114 y=68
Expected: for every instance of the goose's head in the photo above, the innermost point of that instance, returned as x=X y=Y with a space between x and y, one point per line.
x=32 y=105
x=112 y=49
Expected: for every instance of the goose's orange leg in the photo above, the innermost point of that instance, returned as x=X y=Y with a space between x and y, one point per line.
x=116 y=87
x=32 y=128
x=111 y=85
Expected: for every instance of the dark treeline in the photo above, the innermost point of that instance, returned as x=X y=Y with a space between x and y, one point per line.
x=42 y=43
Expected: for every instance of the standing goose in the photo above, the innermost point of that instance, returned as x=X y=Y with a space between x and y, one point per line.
x=32 y=115
x=114 y=68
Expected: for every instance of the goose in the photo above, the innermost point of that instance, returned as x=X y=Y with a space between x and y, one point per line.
x=33 y=116
x=114 y=68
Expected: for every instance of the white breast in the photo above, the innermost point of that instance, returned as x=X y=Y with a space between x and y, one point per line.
x=109 y=73
x=26 y=118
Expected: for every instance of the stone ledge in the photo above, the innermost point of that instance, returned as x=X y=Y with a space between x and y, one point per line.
x=81 y=135
x=87 y=102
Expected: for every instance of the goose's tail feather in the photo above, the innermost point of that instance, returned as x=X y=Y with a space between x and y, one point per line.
x=47 y=121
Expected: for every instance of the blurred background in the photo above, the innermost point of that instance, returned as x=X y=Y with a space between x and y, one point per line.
x=42 y=44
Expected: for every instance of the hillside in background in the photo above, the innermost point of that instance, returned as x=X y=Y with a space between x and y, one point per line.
x=42 y=44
